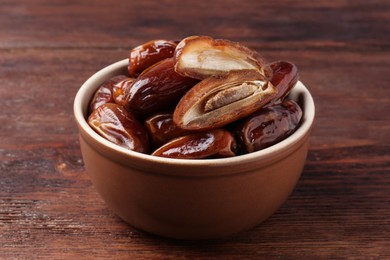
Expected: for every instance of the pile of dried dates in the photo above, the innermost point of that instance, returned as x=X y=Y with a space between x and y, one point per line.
x=197 y=98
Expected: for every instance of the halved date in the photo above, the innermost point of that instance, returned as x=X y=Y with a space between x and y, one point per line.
x=103 y=94
x=162 y=129
x=202 y=56
x=268 y=126
x=217 y=143
x=218 y=101
x=149 y=53
x=157 y=88
x=284 y=77
x=117 y=125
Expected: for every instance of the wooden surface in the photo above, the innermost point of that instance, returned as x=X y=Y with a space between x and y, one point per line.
x=341 y=206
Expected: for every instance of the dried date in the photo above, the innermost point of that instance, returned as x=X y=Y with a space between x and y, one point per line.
x=217 y=143
x=201 y=56
x=268 y=126
x=218 y=101
x=284 y=77
x=119 y=89
x=117 y=125
x=162 y=129
x=157 y=88
x=147 y=54
x=103 y=94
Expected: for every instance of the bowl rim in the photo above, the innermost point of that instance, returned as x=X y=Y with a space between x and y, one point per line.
x=89 y=87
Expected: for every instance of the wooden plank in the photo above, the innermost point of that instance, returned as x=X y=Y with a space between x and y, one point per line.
x=48 y=206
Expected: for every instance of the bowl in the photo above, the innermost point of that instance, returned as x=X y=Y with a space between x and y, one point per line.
x=191 y=199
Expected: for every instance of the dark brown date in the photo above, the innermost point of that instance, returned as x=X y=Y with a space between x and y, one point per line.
x=215 y=143
x=268 y=126
x=103 y=94
x=285 y=76
x=162 y=129
x=148 y=54
x=116 y=124
x=156 y=89
x=119 y=89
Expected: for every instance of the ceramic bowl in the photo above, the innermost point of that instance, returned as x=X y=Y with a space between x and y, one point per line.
x=192 y=199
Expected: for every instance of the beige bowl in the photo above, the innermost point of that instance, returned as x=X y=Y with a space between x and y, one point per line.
x=192 y=199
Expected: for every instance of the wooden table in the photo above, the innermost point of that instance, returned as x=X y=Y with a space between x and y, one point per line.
x=341 y=205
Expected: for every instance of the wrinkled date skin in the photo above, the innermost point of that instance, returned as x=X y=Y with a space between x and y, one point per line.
x=104 y=95
x=162 y=129
x=145 y=55
x=268 y=126
x=285 y=76
x=158 y=88
x=117 y=125
x=217 y=143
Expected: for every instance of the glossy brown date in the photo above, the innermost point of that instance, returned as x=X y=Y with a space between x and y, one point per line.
x=116 y=124
x=162 y=129
x=147 y=54
x=157 y=88
x=284 y=77
x=103 y=94
x=216 y=143
x=218 y=101
x=268 y=126
x=119 y=89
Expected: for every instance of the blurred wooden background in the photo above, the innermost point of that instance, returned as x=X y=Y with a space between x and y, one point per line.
x=341 y=205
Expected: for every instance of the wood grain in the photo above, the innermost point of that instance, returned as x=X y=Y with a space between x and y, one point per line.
x=340 y=207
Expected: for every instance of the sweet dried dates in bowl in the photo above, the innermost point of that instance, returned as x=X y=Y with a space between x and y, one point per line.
x=199 y=98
